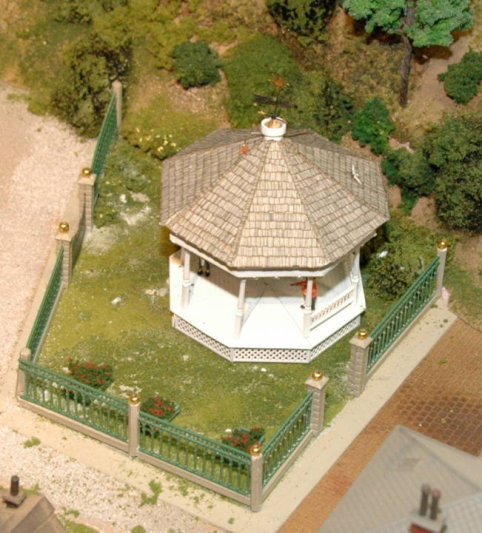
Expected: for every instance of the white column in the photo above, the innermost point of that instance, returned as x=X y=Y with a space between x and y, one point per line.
x=307 y=309
x=240 y=308
x=186 y=279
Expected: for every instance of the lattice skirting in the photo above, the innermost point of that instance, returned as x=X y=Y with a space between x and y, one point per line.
x=266 y=355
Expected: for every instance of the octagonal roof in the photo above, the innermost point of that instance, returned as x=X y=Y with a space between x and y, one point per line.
x=251 y=202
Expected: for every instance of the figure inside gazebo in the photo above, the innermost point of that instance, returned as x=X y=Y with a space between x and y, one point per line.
x=269 y=227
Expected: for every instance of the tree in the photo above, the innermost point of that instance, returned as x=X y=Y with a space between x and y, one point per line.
x=419 y=23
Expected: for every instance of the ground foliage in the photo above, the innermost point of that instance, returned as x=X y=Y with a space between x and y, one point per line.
x=306 y=18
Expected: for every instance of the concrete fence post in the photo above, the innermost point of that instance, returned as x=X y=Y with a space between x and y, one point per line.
x=358 y=365
x=25 y=355
x=133 y=426
x=317 y=383
x=117 y=90
x=64 y=238
x=256 y=488
x=442 y=255
x=86 y=184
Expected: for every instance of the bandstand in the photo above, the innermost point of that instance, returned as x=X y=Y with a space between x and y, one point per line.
x=269 y=227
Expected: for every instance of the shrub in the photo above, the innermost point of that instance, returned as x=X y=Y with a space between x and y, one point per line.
x=462 y=80
x=83 y=11
x=82 y=93
x=91 y=374
x=373 y=126
x=196 y=64
x=320 y=103
x=159 y=407
x=454 y=150
x=242 y=438
x=249 y=70
x=303 y=17
x=411 y=171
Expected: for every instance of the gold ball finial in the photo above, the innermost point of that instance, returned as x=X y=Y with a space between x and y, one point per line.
x=86 y=171
x=362 y=333
x=255 y=449
x=134 y=399
x=442 y=244
x=64 y=227
x=317 y=375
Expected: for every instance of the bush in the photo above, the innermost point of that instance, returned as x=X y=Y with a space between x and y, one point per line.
x=82 y=93
x=242 y=438
x=462 y=80
x=373 y=126
x=160 y=407
x=303 y=17
x=91 y=374
x=83 y=11
x=411 y=171
x=196 y=64
x=249 y=70
x=321 y=104
x=454 y=151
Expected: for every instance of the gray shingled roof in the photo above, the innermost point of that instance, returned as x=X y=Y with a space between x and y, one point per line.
x=388 y=489
x=283 y=204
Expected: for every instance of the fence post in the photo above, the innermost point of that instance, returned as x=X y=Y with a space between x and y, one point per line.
x=25 y=355
x=117 y=90
x=442 y=255
x=358 y=365
x=65 y=240
x=133 y=425
x=86 y=184
x=256 y=486
x=317 y=383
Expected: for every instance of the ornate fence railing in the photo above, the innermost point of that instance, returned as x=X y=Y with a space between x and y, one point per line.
x=402 y=313
x=46 y=308
x=195 y=453
x=108 y=134
x=68 y=397
x=286 y=439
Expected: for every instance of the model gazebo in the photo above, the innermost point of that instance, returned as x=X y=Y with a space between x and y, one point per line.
x=269 y=226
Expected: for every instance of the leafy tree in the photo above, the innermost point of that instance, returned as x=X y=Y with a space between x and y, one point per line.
x=419 y=23
x=196 y=64
x=373 y=126
x=306 y=18
x=454 y=150
x=462 y=80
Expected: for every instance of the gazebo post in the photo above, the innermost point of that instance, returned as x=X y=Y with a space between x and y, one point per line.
x=186 y=278
x=240 y=308
x=307 y=309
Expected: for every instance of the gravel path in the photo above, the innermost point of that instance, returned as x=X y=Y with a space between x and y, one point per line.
x=40 y=163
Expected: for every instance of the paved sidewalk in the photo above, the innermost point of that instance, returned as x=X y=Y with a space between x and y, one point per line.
x=441 y=398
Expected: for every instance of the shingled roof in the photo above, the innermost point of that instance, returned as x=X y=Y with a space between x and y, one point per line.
x=254 y=203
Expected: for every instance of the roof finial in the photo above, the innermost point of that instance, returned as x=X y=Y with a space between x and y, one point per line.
x=273 y=128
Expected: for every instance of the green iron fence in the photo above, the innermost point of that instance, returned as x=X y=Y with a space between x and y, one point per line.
x=66 y=396
x=108 y=134
x=46 y=308
x=402 y=313
x=195 y=453
x=286 y=439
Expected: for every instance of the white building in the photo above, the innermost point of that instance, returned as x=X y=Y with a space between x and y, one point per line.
x=268 y=213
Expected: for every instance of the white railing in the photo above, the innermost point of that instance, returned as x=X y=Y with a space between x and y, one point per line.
x=346 y=298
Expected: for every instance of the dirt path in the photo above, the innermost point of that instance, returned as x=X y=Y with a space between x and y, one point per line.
x=441 y=399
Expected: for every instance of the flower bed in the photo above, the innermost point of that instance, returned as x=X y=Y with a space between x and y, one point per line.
x=242 y=438
x=97 y=376
x=160 y=407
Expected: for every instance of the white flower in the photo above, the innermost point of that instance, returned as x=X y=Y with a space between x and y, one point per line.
x=383 y=254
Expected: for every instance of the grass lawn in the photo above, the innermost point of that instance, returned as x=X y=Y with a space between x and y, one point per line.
x=116 y=311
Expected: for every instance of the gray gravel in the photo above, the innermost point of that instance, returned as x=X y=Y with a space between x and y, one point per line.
x=40 y=160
